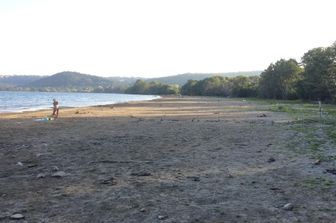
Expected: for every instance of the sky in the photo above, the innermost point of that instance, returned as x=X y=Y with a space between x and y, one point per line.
x=153 y=38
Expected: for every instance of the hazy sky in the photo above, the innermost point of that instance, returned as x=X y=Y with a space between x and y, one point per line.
x=158 y=37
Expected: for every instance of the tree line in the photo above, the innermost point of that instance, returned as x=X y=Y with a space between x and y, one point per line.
x=153 y=87
x=312 y=79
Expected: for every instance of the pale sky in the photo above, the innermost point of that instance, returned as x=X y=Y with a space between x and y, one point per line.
x=158 y=37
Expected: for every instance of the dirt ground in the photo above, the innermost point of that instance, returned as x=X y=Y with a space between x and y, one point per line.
x=189 y=159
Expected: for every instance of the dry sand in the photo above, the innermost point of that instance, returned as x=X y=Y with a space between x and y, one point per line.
x=174 y=159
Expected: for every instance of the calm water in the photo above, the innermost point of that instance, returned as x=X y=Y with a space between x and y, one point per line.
x=13 y=101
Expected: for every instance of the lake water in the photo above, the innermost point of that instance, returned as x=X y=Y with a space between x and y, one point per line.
x=18 y=101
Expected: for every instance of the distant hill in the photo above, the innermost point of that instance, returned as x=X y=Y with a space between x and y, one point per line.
x=18 y=80
x=65 y=81
x=70 y=79
x=77 y=82
x=124 y=80
x=181 y=79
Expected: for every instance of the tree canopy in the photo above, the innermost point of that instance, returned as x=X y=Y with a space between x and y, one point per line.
x=319 y=76
x=279 y=80
x=142 y=87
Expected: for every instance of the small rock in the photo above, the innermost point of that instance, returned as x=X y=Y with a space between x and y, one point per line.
x=271 y=160
x=162 y=217
x=275 y=188
x=332 y=171
x=194 y=178
x=230 y=175
x=19 y=163
x=317 y=162
x=32 y=165
x=288 y=207
x=39 y=154
x=141 y=174
x=142 y=210
x=55 y=168
x=110 y=181
x=17 y=216
x=40 y=175
x=59 y=174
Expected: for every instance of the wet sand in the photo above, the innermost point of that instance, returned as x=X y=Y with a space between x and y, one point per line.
x=175 y=159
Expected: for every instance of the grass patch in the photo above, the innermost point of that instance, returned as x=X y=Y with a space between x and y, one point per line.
x=316 y=131
x=322 y=183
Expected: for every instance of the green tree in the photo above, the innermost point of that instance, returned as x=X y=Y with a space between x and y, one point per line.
x=154 y=87
x=244 y=86
x=319 y=76
x=139 y=87
x=279 y=80
x=214 y=86
x=189 y=88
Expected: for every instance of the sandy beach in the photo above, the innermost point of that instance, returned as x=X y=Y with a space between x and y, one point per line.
x=174 y=159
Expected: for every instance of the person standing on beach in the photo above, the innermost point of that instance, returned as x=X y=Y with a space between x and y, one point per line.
x=55 y=108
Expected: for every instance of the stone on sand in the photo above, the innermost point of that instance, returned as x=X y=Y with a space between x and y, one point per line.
x=17 y=216
x=41 y=175
x=288 y=207
x=59 y=174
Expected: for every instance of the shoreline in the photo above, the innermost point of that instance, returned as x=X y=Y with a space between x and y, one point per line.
x=15 y=104
x=67 y=109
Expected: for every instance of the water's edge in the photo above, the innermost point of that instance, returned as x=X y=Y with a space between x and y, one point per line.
x=18 y=102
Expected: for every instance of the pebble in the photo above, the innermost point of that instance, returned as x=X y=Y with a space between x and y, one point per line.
x=288 y=207
x=141 y=174
x=194 y=178
x=142 y=210
x=19 y=163
x=41 y=175
x=162 y=217
x=110 y=181
x=271 y=160
x=17 y=216
x=317 y=162
x=59 y=174
x=332 y=171
x=55 y=168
